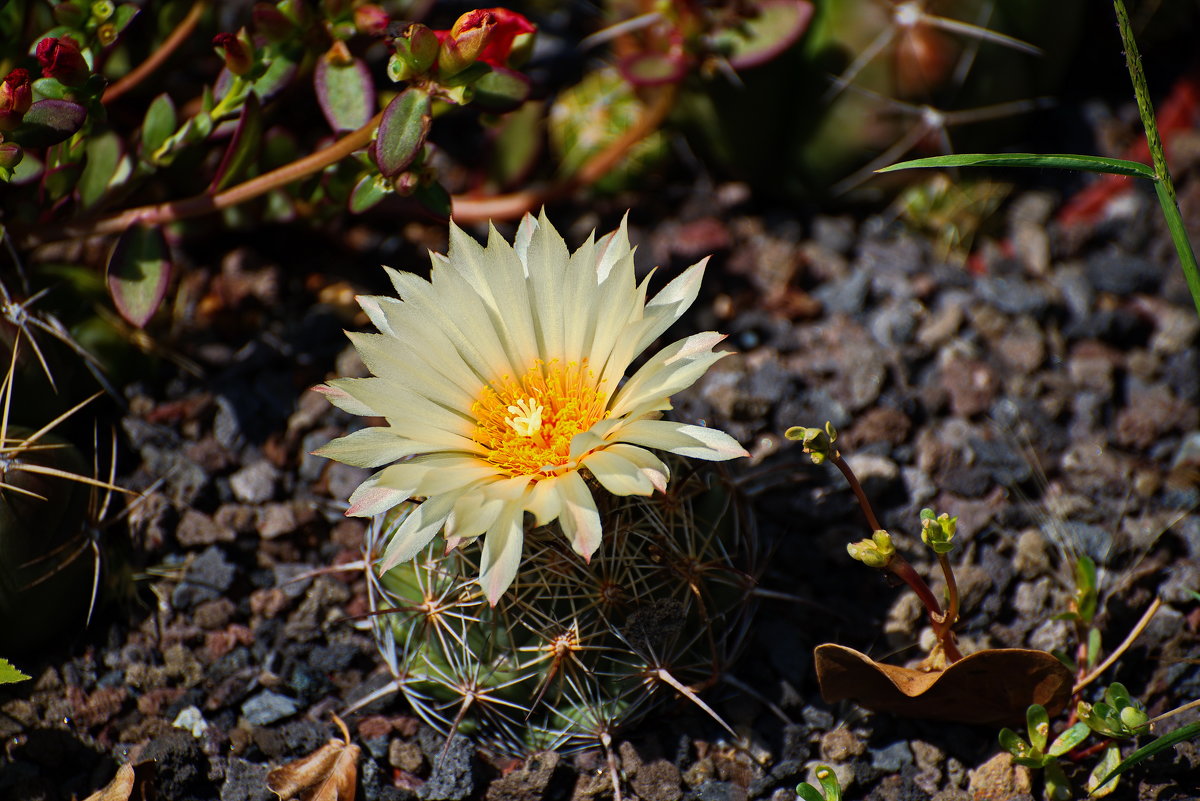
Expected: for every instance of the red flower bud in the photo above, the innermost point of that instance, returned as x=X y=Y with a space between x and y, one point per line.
x=485 y=34
x=61 y=59
x=499 y=46
x=10 y=155
x=371 y=20
x=16 y=96
x=238 y=58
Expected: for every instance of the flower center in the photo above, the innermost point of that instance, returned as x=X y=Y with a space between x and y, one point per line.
x=527 y=425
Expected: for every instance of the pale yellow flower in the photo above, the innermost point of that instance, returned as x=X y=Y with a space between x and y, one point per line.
x=501 y=383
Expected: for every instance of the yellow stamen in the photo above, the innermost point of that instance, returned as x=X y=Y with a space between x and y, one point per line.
x=527 y=425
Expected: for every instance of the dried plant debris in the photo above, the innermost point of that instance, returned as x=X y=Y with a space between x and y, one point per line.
x=989 y=688
x=328 y=774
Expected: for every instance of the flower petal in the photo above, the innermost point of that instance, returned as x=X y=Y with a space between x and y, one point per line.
x=335 y=392
x=638 y=459
x=617 y=474
x=544 y=502
x=672 y=301
x=370 y=499
x=674 y=368
x=696 y=442
x=374 y=446
x=579 y=517
x=501 y=553
x=417 y=530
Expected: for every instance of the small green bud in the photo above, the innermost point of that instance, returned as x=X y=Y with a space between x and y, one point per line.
x=1133 y=718
x=416 y=50
x=938 y=532
x=816 y=442
x=102 y=10
x=875 y=552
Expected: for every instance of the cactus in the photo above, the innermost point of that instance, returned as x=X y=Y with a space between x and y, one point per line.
x=574 y=650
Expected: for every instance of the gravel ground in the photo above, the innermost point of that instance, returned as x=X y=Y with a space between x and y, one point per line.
x=1047 y=396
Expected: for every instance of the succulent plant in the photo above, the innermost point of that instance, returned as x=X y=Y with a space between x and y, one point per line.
x=574 y=650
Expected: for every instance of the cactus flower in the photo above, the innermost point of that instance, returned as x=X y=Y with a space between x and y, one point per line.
x=501 y=381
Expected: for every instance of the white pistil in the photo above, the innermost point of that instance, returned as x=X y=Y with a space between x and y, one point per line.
x=526 y=417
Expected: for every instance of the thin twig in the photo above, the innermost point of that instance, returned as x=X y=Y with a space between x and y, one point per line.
x=1122 y=648
x=1175 y=711
x=152 y=64
x=203 y=204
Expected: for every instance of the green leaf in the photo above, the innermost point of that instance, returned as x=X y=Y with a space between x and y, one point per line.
x=829 y=783
x=1061 y=655
x=103 y=154
x=1057 y=786
x=1062 y=161
x=1038 y=723
x=139 y=271
x=759 y=39
x=49 y=122
x=1011 y=742
x=1106 y=765
x=1093 y=647
x=1150 y=749
x=158 y=125
x=369 y=191
x=806 y=792
x=1069 y=739
x=243 y=146
x=501 y=90
x=9 y=674
x=345 y=93
x=402 y=131
x=124 y=15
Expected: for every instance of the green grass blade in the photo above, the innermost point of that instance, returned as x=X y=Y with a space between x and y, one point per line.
x=1064 y=161
x=1183 y=245
x=1150 y=749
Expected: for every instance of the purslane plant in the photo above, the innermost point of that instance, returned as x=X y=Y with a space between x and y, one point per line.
x=501 y=381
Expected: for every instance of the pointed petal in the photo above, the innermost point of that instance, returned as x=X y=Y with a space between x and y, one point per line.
x=336 y=393
x=635 y=460
x=696 y=442
x=544 y=502
x=617 y=475
x=579 y=518
x=370 y=447
x=501 y=553
x=674 y=368
x=416 y=531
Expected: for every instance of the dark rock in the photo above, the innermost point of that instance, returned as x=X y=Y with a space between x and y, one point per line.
x=1012 y=295
x=533 y=781
x=713 y=790
x=657 y=780
x=246 y=781
x=207 y=577
x=453 y=774
x=1123 y=274
x=892 y=758
x=181 y=767
x=268 y=707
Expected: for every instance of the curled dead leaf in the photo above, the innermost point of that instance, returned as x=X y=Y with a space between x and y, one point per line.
x=327 y=774
x=992 y=687
x=132 y=783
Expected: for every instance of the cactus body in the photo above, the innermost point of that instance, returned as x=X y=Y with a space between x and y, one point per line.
x=573 y=650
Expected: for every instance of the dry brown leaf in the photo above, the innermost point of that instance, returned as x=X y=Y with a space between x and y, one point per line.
x=131 y=783
x=992 y=687
x=327 y=774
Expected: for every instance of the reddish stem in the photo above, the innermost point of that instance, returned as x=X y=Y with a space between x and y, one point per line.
x=863 y=503
x=152 y=64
